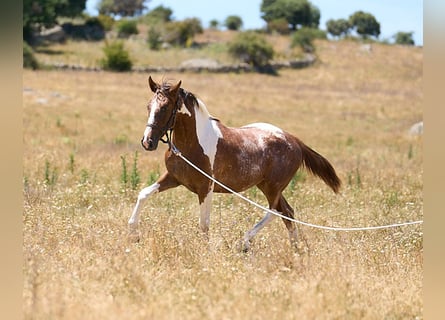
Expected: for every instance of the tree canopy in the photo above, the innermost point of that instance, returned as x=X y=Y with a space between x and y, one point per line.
x=295 y=12
x=365 y=24
x=44 y=13
x=339 y=27
x=233 y=22
x=123 y=8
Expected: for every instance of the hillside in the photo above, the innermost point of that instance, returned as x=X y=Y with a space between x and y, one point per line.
x=354 y=105
x=211 y=44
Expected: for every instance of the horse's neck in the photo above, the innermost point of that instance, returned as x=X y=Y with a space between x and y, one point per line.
x=206 y=132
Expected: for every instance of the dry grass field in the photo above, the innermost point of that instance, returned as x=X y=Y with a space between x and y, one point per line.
x=354 y=107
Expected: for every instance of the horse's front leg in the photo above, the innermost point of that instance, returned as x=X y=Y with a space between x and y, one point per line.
x=205 y=207
x=166 y=181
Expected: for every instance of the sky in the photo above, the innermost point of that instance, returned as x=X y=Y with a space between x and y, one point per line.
x=393 y=15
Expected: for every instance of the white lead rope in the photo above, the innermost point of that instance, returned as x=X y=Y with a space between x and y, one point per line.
x=179 y=154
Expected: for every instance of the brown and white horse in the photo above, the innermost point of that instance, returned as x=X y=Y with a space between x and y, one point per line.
x=258 y=154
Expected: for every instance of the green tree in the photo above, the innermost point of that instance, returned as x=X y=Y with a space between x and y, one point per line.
x=405 y=38
x=233 y=22
x=296 y=12
x=158 y=15
x=251 y=48
x=214 y=24
x=365 y=24
x=338 y=27
x=44 y=13
x=123 y=8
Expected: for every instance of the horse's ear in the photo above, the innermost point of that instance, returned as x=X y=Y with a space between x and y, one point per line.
x=153 y=85
x=175 y=88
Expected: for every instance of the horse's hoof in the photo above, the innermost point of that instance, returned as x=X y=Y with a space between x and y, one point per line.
x=134 y=234
x=243 y=246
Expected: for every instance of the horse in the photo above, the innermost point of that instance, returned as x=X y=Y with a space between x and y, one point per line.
x=258 y=154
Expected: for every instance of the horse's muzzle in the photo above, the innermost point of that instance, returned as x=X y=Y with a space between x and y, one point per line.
x=149 y=144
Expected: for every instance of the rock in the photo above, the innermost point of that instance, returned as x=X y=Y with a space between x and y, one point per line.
x=200 y=63
x=416 y=129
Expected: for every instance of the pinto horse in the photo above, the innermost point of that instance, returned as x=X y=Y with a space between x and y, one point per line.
x=258 y=154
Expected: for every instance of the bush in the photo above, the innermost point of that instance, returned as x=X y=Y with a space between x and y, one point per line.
x=278 y=25
x=92 y=29
x=126 y=28
x=106 y=21
x=404 y=38
x=154 y=38
x=181 y=33
x=251 y=48
x=29 y=60
x=305 y=36
x=116 y=57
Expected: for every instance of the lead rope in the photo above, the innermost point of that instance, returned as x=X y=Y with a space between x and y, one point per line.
x=178 y=153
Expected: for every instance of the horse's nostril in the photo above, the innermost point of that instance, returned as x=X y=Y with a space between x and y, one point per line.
x=150 y=144
x=144 y=144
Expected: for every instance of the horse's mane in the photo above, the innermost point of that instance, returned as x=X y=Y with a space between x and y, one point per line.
x=189 y=99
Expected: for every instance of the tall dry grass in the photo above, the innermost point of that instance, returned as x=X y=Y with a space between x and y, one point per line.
x=353 y=106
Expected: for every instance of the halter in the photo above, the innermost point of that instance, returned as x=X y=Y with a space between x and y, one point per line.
x=168 y=129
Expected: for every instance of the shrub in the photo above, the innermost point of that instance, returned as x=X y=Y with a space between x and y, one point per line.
x=106 y=21
x=92 y=29
x=251 y=48
x=181 y=33
x=29 y=60
x=126 y=28
x=304 y=38
x=404 y=38
x=278 y=25
x=154 y=38
x=116 y=57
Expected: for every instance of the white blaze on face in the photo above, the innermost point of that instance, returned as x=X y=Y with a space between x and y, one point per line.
x=151 y=119
x=207 y=131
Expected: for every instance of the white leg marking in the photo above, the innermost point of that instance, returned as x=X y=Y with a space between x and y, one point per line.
x=260 y=225
x=205 y=208
x=144 y=194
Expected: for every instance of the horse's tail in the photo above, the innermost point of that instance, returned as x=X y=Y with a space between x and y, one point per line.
x=320 y=167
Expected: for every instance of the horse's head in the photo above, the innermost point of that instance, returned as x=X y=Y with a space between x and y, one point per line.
x=162 y=110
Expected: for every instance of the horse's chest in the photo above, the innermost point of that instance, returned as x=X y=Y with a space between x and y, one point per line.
x=187 y=175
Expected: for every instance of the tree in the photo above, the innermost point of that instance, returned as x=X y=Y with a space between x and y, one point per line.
x=296 y=12
x=159 y=14
x=338 y=27
x=365 y=24
x=405 y=38
x=123 y=8
x=44 y=13
x=233 y=22
x=214 y=24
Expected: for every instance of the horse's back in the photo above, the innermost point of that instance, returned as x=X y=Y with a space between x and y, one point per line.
x=248 y=155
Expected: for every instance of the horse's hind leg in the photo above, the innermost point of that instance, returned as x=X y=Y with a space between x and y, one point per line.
x=164 y=182
x=286 y=210
x=273 y=197
x=252 y=232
